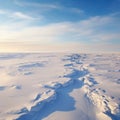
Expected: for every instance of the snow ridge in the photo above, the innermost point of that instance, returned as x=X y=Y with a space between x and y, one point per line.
x=58 y=83
x=54 y=89
x=103 y=103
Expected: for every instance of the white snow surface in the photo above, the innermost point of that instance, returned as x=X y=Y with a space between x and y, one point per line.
x=58 y=86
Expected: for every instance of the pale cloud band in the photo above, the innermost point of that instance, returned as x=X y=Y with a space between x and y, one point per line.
x=94 y=29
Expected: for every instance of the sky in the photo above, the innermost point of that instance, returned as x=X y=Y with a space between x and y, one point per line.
x=59 y=26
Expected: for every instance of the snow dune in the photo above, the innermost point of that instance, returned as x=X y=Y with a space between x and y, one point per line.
x=59 y=86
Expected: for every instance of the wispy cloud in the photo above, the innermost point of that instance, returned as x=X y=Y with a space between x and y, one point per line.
x=18 y=15
x=43 y=6
x=49 y=6
x=95 y=30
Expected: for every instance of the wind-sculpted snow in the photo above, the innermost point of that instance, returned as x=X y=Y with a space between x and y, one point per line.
x=105 y=72
x=59 y=86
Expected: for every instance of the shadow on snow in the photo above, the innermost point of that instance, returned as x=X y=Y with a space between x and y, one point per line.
x=63 y=101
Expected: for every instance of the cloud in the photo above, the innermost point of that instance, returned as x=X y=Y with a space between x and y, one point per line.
x=99 y=28
x=43 y=6
x=20 y=15
x=92 y=29
x=42 y=34
x=93 y=32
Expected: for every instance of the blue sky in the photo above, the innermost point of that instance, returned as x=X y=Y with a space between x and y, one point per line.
x=60 y=25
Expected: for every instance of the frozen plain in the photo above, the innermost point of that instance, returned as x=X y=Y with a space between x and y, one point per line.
x=41 y=86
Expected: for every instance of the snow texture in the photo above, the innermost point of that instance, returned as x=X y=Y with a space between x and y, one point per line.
x=41 y=86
